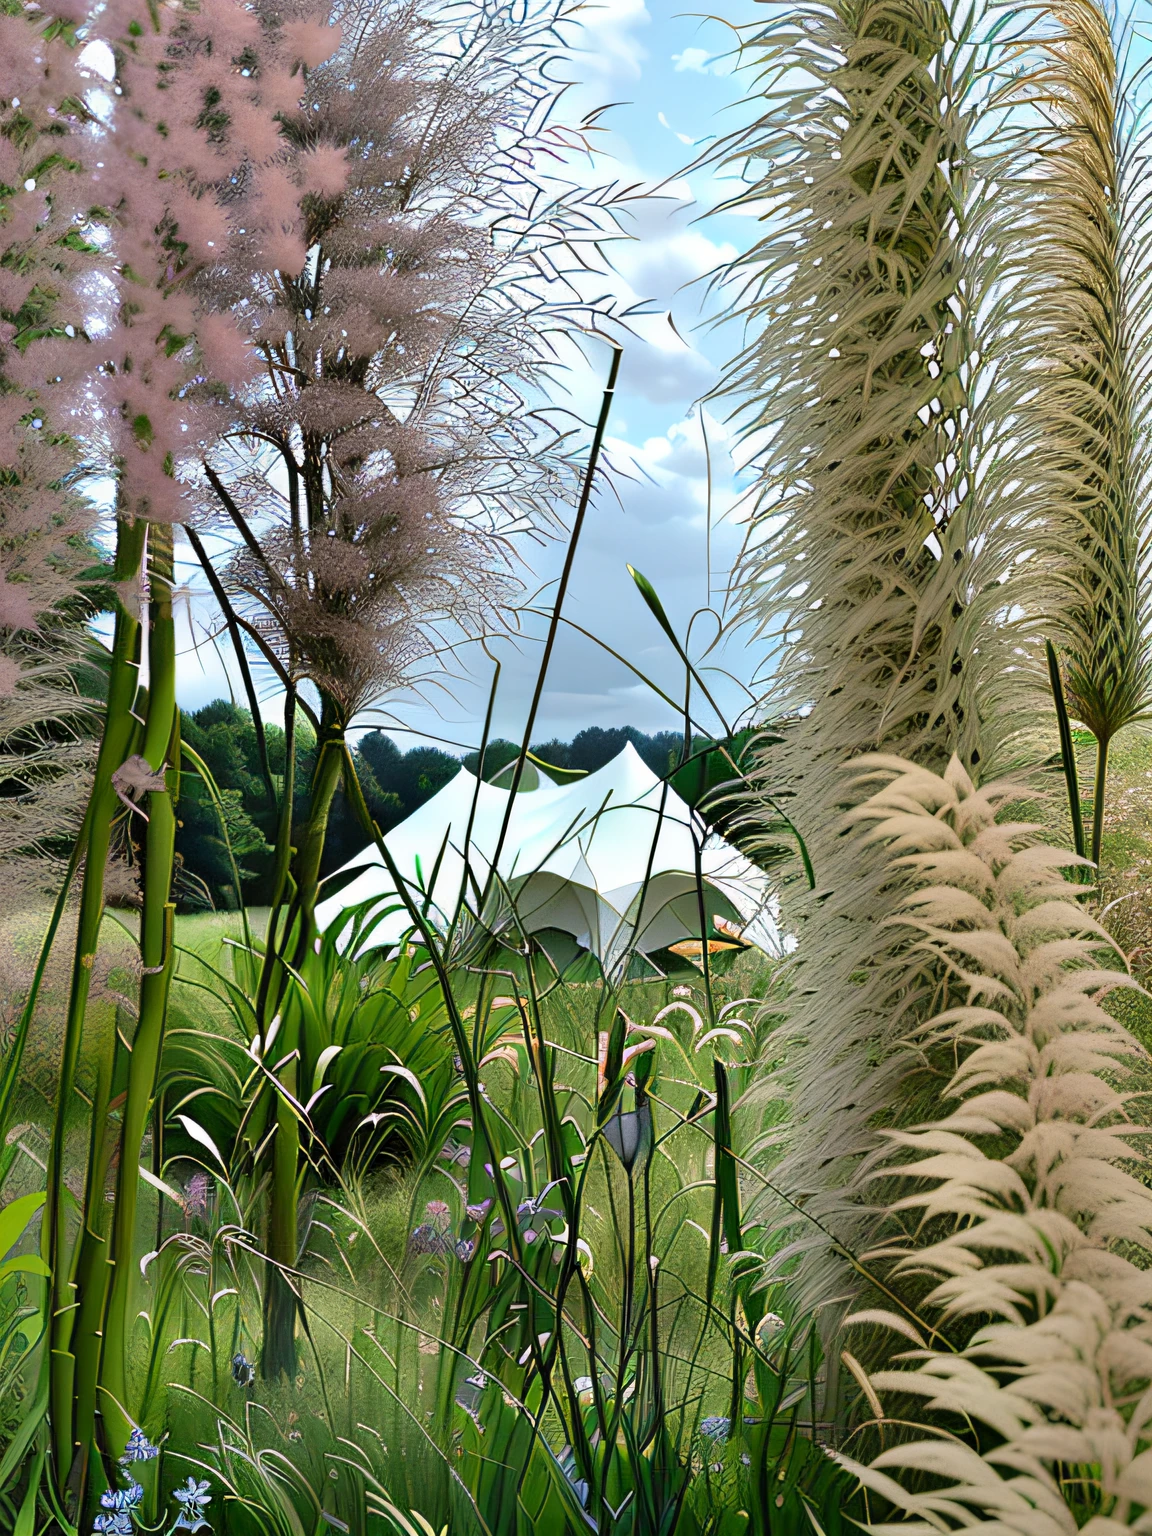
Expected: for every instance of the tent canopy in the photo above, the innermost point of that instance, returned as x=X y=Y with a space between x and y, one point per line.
x=576 y=858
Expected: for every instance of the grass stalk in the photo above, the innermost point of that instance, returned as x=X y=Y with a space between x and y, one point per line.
x=278 y=1357
x=119 y=728
x=157 y=953
x=1067 y=749
x=1099 y=792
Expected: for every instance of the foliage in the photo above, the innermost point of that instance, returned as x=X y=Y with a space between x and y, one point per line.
x=589 y=750
x=374 y=1057
x=395 y=783
x=396 y=402
x=440 y=1238
x=427 y=1288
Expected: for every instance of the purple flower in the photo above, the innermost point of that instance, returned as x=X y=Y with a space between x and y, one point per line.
x=138 y=1448
x=118 y=1499
x=464 y=1250
x=117 y=1524
x=196 y=1197
x=477 y=1213
x=193 y=1499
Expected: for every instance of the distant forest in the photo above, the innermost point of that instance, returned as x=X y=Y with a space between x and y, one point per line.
x=395 y=782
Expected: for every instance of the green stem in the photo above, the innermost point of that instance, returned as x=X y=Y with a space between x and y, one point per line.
x=161 y=752
x=1067 y=749
x=103 y=806
x=325 y=781
x=1098 y=793
x=93 y=1271
x=278 y=1356
x=271 y=968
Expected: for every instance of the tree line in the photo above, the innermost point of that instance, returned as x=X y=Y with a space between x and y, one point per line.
x=395 y=782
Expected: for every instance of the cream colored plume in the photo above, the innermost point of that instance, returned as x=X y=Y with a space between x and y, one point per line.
x=1024 y=1202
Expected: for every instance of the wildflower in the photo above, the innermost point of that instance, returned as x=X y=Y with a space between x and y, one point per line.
x=681 y=991
x=138 y=1448
x=426 y=1239
x=196 y=1197
x=193 y=1499
x=243 y=1371
x=438 y=1213
x=715 y=1428
x=117 y=1524
x=122 y=1499
x=465 y=1249
x=478 y=1212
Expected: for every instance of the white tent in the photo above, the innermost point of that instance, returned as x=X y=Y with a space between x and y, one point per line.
x=576 y=858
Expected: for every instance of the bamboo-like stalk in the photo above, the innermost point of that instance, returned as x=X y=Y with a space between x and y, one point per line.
x=278 y=1356
x=1098 y=795
x=93 y=1273
x=325 y=781
x=282 y=884
x=119 y=726
x=157 y=954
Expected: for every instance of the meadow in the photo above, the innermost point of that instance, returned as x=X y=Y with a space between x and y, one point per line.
x=424 y=1221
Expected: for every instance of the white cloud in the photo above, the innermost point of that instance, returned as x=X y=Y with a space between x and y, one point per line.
x=665 y=377
x=664 y=480
x=695 y=59
x=701 y=62
x=666 y=251
x=98 y=57
x=610 y=48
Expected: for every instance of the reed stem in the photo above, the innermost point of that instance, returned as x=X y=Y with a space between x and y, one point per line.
x=119 y=729
x=161 y=752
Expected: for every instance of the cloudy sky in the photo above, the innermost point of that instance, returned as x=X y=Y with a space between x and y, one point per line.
x=671 y=74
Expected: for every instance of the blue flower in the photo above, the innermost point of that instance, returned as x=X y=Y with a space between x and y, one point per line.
x=139 y=1448
x=243 y=1371
x=193 y=1499
x=118 y=1524
x=715 y=1428
x=120 y=1499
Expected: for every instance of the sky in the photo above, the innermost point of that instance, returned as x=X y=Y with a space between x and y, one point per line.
x=671 y=77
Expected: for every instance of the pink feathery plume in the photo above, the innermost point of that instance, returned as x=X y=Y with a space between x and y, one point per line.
x=16 y=610
x=10 y=674
x=10 y=163
x=226 y=351
x=311 y=43
x=324 y=170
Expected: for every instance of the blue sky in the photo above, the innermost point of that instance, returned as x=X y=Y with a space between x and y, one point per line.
x=676 y=90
